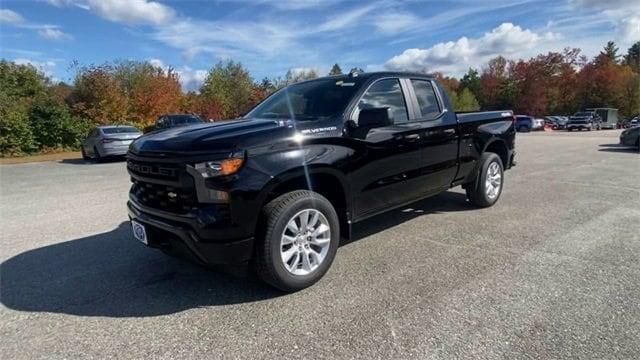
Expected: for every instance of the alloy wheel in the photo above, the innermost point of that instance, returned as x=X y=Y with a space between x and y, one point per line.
x=493 y=181
x=305 y=242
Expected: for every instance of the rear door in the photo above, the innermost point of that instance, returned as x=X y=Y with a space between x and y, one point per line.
x=439 y=141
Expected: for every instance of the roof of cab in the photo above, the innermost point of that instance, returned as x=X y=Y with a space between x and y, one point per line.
x=372 y=75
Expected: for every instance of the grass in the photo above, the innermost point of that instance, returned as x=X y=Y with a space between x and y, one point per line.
x=54 y=156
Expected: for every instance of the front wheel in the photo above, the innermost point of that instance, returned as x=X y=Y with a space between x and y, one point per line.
x=299 y=241
x=485 y=189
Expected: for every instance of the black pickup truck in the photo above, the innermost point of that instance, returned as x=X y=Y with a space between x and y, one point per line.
x=280 y=187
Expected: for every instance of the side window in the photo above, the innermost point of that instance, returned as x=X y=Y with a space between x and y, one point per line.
x=427 y=100
x=385 y=93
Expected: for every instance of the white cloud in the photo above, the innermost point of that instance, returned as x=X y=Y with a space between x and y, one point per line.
x=226 y=39
x=47 y=67
x=157 y=63
x=10 y=17
x=130 y=12
x=629 y=28
x=456 y=56
x=297 y=4
x=395 y=22
x=346 y=19
x=53 y=34
x=60 y=3
x=624 y=15
x=191 y=79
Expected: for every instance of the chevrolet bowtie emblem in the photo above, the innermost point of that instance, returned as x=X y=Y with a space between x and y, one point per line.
x=172 y=195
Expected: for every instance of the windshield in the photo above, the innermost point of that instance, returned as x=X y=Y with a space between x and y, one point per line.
x=185 y=119
x=312 y=100
x=120 y=130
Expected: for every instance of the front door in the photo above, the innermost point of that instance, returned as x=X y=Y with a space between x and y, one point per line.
x=387 y=174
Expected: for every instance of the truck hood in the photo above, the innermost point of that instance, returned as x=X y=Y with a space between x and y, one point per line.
x=202 y=138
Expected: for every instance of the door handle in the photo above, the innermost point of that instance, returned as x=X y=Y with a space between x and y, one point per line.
x=412 y=137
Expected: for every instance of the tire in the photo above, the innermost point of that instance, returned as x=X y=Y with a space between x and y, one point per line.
x=96 y=155
x=85 y=157
x=569 y=129
x=270 y=250
x=523 y=129
x=477 y=190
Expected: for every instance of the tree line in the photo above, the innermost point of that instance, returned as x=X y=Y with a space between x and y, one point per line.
x=38 y=115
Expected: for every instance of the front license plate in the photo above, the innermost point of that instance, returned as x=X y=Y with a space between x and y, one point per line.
x=139 y=232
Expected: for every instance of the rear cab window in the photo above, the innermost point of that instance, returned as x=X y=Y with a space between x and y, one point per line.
x=427 y=99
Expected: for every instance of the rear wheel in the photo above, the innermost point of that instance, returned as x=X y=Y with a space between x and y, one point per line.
x=96 y=155
x=85 y=157
x=485 y=189
x=300 y=239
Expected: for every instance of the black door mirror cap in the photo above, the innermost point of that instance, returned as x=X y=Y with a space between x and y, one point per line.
x=375 y=117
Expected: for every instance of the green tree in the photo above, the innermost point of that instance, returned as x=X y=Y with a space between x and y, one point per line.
x=229 y=89
x=335 y=70
x=633 y=57
x=296 y=75
x=471 y=81
x=611 y=51
x=21 y=81
x=466 y=101
x=19 y=84
x=53 y=126
x=16 y=137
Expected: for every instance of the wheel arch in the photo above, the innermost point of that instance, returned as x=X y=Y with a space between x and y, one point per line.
x=499 y=147
x=322 y=179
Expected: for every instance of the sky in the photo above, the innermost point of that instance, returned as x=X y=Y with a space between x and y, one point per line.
x=270 y=37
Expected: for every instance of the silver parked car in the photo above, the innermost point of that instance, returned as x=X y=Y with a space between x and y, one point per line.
x=106 y=141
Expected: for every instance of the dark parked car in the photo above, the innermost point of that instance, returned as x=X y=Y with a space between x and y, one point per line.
x=105 y=141
x=281 y=186
x=556 y=122
x=587 y=120
x=169 y=121
x=526 y=123
x=631 y=137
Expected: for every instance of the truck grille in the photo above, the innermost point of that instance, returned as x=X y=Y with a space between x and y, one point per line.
x=161 y=171
x=171 y=199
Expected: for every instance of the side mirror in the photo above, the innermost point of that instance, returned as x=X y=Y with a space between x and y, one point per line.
x=375 y=117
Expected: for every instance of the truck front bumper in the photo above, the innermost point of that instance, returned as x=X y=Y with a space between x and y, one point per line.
x=204 y=238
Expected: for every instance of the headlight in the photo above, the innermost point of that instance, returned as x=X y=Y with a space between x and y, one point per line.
x=209 y=169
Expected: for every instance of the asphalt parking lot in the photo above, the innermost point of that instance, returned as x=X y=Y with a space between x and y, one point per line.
x=551 y=271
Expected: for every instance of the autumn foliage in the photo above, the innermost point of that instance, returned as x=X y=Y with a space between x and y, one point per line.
x=36 y=114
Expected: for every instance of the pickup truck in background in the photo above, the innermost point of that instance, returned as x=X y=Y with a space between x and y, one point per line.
x=280 y=187
x=173 y=120
x=587 y=120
